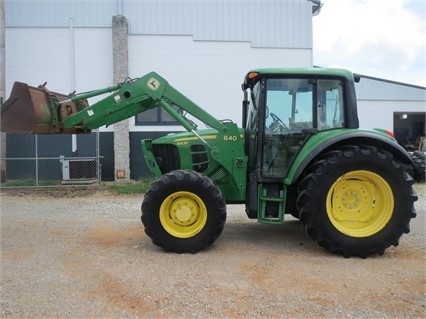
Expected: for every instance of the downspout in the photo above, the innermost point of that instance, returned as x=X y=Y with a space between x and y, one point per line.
x=72 y=79
x=119 y=7
x=316 y=9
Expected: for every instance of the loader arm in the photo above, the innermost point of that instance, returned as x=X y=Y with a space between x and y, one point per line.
x=40 y=111
x=136 y=96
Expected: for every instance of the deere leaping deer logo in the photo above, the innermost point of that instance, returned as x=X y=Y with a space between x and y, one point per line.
x=153 y=84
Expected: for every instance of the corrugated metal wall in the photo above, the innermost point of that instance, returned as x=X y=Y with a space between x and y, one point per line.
x=264 y=23
x=377 y=89
x=271 y=23
x=56 y=13
x=36 y=55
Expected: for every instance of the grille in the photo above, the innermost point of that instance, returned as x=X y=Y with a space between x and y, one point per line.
x=200 y=158
x=167 y=157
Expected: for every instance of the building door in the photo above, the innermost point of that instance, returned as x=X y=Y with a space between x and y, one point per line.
x=409 y=127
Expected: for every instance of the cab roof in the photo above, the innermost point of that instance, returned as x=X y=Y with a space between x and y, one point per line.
x=255 y=74
x=305 y=71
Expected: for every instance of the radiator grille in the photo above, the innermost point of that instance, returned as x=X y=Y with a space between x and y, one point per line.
x=199 y=157
x=167 y=157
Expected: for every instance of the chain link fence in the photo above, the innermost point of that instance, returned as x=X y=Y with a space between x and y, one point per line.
x=50 y=160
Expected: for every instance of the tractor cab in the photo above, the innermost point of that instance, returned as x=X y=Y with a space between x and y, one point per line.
x=283 y=109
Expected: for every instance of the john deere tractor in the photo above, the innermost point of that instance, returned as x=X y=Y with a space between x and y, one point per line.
x=299 y=152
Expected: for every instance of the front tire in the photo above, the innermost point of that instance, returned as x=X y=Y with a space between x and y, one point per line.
x=183 y=211
x=356 y=201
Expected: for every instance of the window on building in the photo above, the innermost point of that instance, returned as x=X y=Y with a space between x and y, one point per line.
x=156 y=116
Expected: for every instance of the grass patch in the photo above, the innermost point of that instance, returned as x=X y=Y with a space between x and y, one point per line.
x=132 y=187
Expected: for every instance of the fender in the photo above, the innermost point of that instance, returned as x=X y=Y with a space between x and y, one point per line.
x=325 y=141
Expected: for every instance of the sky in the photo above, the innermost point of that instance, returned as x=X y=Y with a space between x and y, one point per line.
x=379 y=38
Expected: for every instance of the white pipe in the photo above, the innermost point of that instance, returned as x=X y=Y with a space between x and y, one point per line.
x=72 y=55
x=119 y=7
x=72 y=78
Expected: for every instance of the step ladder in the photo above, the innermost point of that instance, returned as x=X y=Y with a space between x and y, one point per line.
x=271 y=208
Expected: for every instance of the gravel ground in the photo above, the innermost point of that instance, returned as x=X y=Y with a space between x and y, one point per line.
x=77 y=255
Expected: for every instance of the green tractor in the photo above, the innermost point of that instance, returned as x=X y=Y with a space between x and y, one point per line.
x=300 y=152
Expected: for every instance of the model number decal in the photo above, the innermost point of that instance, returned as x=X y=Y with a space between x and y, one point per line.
x=231 y=138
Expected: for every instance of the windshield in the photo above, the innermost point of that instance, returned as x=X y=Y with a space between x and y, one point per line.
x=293 y=105
x=295 y=109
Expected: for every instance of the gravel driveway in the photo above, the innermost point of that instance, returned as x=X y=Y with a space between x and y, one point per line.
x=75 y=255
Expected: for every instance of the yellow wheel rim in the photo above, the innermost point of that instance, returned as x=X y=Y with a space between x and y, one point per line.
x=360 y=203
x=183 y=214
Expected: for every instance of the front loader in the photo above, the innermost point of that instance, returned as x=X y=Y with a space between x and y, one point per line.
x=299 y=152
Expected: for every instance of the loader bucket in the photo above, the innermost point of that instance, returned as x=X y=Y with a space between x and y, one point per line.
x=32 y=110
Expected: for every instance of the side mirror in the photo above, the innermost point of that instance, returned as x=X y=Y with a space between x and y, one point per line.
x=357 y=78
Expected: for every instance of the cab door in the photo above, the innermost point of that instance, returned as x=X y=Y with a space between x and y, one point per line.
x=296 y=108
x=287 y=124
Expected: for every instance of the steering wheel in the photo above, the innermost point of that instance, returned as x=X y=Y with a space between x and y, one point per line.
x=278 y=124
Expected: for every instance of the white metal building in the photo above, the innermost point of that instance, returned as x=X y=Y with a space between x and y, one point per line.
x=204 y=48
x=396 y=106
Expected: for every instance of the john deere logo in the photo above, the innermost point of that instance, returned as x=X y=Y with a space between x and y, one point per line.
x=153 y=84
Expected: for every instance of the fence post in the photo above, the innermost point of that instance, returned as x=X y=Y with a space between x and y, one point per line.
x=36 y=160
x=2 y=91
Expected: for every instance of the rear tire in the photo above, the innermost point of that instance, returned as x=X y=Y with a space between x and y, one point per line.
x=183 y=211
x=356 y=201
x=418 y=167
